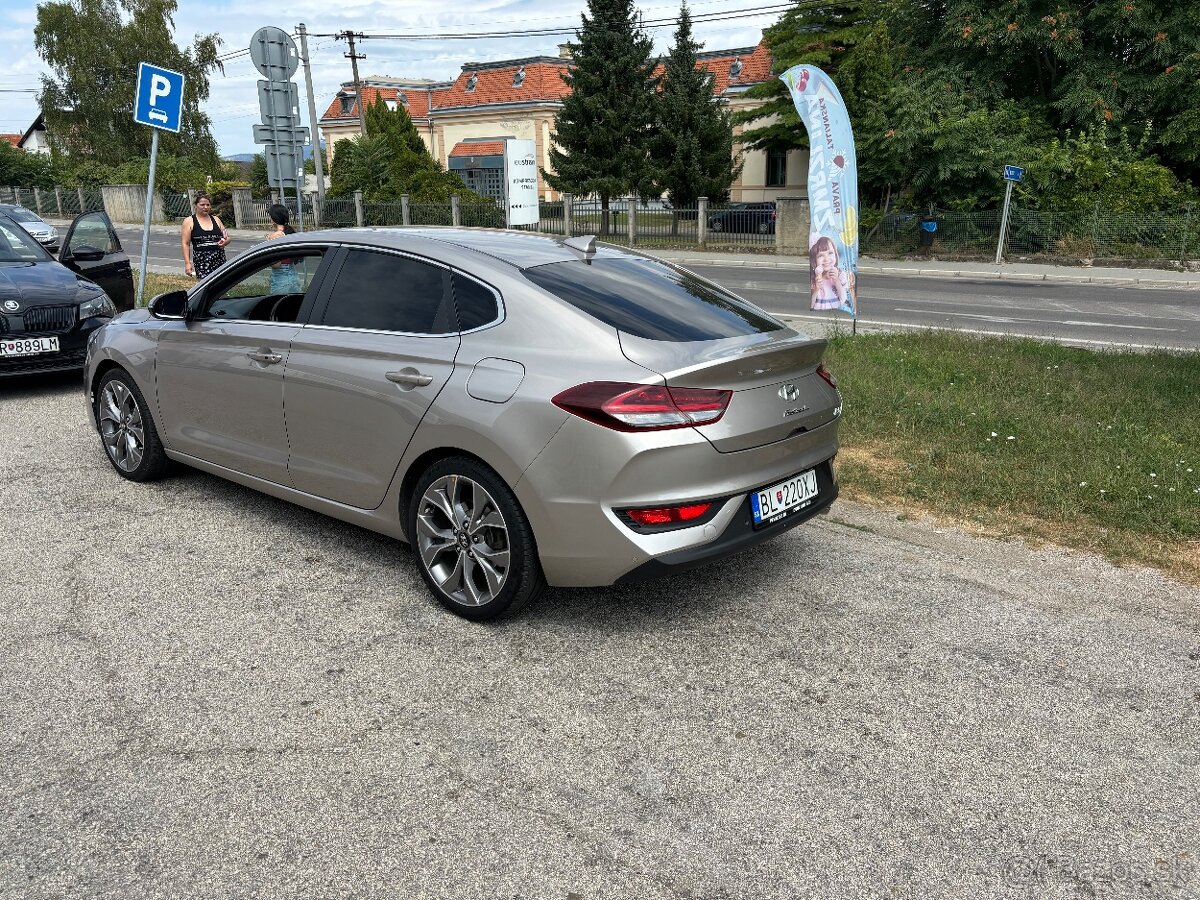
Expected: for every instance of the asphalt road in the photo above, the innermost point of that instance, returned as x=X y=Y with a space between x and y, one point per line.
x=210 y=693
x=1085 y=314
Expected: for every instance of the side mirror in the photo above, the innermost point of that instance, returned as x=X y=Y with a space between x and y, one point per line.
x=85 y=253
x=171 y=305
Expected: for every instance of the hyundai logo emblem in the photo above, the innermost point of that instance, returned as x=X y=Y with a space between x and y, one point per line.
x=789 y=392
x=11 y=305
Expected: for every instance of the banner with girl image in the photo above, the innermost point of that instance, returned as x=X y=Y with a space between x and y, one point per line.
x=832 y=189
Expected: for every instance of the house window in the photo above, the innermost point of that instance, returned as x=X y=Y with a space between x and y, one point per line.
x=519 y=78
x=471 y=82
x=347 y=104
x=776 y=168
x=735 y=68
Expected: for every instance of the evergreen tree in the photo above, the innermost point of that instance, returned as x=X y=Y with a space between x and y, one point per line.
x=605 y=127
x=693 y=147
x=93 y=48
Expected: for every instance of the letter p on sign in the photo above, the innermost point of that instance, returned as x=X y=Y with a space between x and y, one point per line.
x=159 y=87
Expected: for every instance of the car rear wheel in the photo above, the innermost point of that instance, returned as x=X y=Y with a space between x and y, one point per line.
x=716 y=226
x=127 y=430
x=764 y=227
x=472 y=541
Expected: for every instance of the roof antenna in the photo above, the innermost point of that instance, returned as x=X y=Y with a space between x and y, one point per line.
x=585 y=245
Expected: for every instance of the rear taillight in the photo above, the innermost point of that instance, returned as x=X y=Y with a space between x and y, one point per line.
x=643 y=407
x=827 y=375
x=667 y=515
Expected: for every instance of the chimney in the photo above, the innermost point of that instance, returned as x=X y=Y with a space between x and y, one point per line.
x=564 y=51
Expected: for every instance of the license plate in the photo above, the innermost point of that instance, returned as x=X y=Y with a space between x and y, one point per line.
x=28 y=346
x=778 y=501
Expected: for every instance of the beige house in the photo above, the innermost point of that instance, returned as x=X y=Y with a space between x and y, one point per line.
x=464 y=122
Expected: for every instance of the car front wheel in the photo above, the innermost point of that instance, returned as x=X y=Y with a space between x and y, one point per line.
x=472 y=541
x=127 y=430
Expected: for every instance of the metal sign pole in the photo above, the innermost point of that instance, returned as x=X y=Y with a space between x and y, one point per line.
x=1003 y=224
x=141 y=291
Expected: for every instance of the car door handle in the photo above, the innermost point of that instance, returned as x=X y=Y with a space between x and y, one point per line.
x=409 y=377
x=266 y=357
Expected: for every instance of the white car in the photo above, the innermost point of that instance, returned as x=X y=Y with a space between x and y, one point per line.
x=43 y=232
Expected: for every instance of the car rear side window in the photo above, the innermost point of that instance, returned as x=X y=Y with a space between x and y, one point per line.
x=476 y=303
x=385 y=292
x=652 y=300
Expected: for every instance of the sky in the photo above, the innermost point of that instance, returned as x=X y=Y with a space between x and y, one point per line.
x=233 y=100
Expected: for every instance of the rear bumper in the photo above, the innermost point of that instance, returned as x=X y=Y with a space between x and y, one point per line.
x=740 y=534
x=586 y=473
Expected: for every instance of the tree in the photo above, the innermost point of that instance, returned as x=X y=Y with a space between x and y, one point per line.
x=604 y=129
x=93 y=48
x=823 y=35
x=27 y=170
x=693 y=146
x=1078 y=63
x=390 y=161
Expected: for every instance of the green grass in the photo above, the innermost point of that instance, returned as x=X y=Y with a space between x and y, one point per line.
x=159 y=284
x=1094 y=450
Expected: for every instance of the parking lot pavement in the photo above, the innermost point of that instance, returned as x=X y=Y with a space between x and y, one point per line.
x=210 y=693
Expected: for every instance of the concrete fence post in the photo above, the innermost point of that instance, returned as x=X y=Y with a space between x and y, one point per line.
x=631 y=219
x=405 y=212
x=315 y=203
x=358 y=208
x=82 y=200
x=191 y=192
x=702 y=221
x=37 y=200
x=568 y=201
x=455 y=211
x=58 y=200
x=791 y=225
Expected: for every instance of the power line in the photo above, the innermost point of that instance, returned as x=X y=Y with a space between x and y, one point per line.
x=699 y=18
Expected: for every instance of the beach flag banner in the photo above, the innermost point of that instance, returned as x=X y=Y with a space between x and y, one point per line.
x=832 y=189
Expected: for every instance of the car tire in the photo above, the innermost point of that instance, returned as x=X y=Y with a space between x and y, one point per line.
x=127 y=429
x=716 y=226
x=472 y=541
x=764 y=227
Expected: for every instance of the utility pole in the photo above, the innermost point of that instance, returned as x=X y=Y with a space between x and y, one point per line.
x=318 y=162
x=354 y=58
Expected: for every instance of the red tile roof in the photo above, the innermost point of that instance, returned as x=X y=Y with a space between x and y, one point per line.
x=417 y=106
x=543 y=81
x=478 y=148
x=756 y=67
x=13 y=139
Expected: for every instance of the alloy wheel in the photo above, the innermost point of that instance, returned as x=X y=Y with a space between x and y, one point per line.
x=463 y=540
x=121 y=426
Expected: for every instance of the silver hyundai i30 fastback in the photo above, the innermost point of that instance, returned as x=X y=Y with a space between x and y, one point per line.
x=522 y=409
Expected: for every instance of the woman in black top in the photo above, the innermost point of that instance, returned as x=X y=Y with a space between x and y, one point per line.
x=204 y=239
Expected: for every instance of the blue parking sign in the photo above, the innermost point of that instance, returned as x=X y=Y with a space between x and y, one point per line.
x=159 y=98
x=1013 y=173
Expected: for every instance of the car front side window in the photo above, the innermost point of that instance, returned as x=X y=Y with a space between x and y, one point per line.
x=271 y=291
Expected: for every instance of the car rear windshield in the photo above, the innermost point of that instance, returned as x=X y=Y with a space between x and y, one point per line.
x=652 y=300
